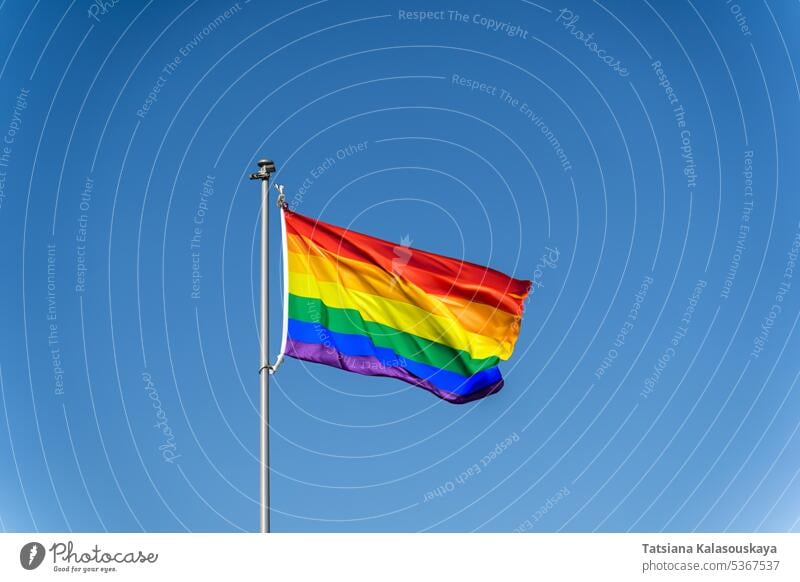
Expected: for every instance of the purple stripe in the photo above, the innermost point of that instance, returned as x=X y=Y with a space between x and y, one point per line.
x=372 y=366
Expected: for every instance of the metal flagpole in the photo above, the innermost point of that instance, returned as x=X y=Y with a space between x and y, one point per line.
x=266 y=167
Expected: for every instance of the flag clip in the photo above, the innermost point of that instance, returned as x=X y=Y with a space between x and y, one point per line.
x=274 y=367
x=281 y=202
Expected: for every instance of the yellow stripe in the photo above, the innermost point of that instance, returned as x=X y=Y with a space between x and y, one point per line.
x=400 y=316
x=360 y=276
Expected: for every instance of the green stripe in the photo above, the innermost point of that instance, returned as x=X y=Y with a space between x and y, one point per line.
x=409 y=346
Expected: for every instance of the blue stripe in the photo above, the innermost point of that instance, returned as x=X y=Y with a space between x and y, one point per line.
x=360 y=345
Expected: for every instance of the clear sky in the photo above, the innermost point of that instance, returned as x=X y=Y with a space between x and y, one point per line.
x=637 y=160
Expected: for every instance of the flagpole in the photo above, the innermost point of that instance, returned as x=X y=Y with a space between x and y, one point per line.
x=266 y=167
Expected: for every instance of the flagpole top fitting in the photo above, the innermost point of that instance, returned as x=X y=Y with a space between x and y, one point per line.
x=266 y=168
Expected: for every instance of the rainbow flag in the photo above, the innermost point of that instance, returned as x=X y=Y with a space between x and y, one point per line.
x=374 y=307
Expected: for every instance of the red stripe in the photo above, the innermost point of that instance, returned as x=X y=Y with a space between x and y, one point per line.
x=434 y=274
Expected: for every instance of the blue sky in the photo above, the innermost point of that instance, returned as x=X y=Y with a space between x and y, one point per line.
x=635 y=159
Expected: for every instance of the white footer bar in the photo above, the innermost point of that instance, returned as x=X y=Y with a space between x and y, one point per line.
x=401 y=557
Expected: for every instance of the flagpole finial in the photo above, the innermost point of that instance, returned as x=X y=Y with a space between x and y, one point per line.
x=266 y=169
